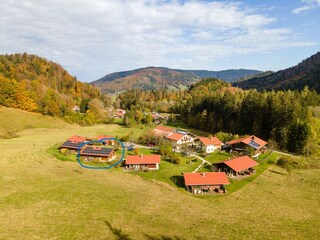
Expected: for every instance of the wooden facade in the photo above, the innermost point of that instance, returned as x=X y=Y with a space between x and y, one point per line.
x=239 y=166
x=206 y=182
x=142 y=163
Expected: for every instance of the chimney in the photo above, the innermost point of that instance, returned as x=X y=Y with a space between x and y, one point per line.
x=203 y=174
x=252 y=137
x=141 y=155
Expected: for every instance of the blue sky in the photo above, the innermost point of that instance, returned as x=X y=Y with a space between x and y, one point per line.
x=91 y=38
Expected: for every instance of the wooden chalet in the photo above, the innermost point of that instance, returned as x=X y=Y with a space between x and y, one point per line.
x=162 y=131
x=253 y=142
x=97 y=153
x=73 y=143
x=77 y=138
x=208 y=145
x=206 y=182
x=179 y=138
x=143 y=162
x=120 y=113
x=106 y=141
x=239 y=166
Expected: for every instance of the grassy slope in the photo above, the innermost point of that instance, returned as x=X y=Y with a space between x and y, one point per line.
x=14 y=120
x=44 y=198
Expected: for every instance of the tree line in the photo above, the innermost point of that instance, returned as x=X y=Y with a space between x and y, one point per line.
x=286 y=118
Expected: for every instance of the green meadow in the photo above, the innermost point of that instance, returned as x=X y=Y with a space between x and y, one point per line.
x=43 y=197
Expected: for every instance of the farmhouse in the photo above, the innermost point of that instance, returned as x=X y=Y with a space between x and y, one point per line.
x=242 y=144
x=120 y=113
x=208 y=145
x=76 y=108
x=72 y=144
x=77 y=138
x=179 y=138
x=239 y=166
x=148 y=162
x=106 y=141
x=94 y=153
x=206 y=182
x=162 y=131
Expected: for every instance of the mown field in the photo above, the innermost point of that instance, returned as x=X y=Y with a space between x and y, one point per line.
x=42 y=197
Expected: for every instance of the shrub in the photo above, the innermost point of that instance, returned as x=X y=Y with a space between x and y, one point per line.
x=125 y=138
x=136 y=151
x=174 y=158
x=290 y=163
x=63 y=151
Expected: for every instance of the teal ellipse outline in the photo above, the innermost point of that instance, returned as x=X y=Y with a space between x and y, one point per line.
x=101 y=141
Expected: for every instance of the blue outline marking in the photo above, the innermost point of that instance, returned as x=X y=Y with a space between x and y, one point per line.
x=101 y=141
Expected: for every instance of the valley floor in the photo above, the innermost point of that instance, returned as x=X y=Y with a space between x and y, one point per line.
x=44 y=198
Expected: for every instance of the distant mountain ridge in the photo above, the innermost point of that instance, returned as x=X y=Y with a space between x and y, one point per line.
x=150 y=78
x=306 y=73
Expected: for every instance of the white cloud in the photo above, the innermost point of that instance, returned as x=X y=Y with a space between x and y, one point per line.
x=93 y=37
x=308 y=5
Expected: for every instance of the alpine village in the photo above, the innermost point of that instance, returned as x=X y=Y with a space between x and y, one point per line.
x=207 y=144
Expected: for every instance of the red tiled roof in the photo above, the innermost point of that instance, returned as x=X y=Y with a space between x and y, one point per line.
x=164 y=128
x=103 y=136
x=216 y=141
x=76 y=138
x=241 y=163
x=119 y=114
x=235 y=141
x=145 y=159
x=206 y=178
x=247 y=140
x=175 y=136
x=256 y=139
x=207 y=141
x=99 y=137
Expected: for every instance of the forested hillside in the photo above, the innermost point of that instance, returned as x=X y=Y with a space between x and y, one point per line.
x=289 y=118
x=150 y=78
x=155 y=78
x=35 y=84
x=306 y=73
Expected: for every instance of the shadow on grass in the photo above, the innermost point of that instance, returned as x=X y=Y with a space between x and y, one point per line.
x=167 y=160
x=162 y=237
x=178 y=181
x=209 y=167
x=276 y=172
x=117 y=232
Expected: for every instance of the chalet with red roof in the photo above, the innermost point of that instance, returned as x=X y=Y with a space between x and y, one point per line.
x=106 y=139
x=76 y=108
x=120 y=113
x=239 y=166
x=179 y=137
x=143 y=162
x=73 y=143
x=206 y=182
x=76 y=138
x=241 y=144
x=162 y=131
x=97 y=153
x=208 y=145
